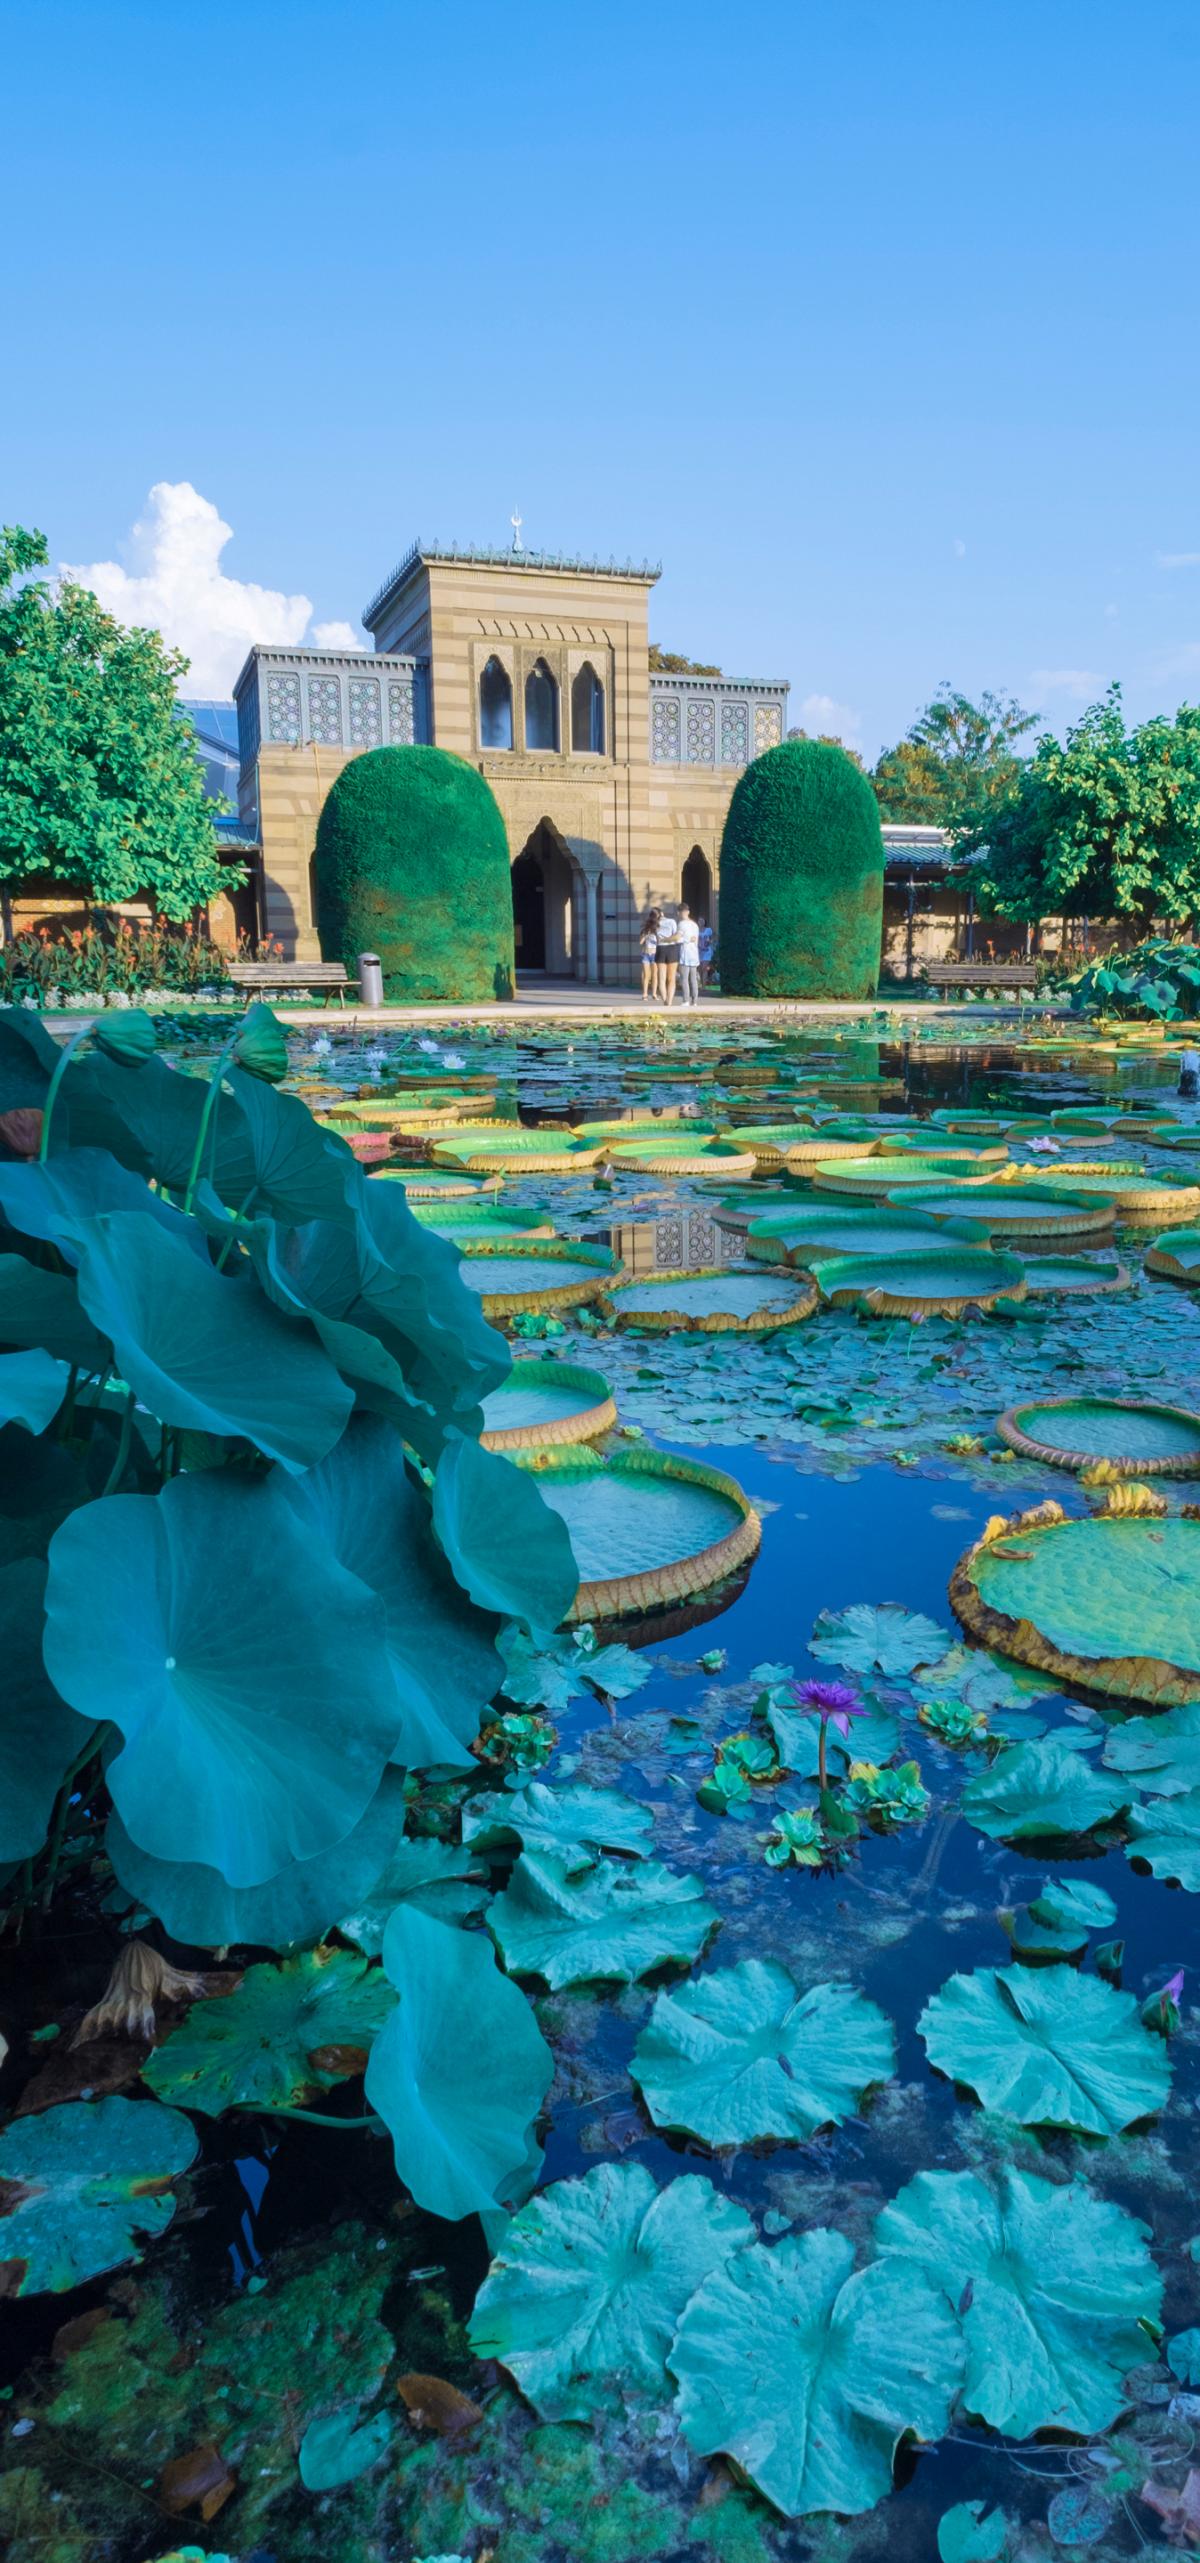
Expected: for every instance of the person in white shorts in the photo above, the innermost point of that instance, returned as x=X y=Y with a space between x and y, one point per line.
x=689 y=958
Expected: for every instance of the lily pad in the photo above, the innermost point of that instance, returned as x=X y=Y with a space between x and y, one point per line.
x=441 y=1878
x=966 y=2535
x=1048 y=2047
x=337 y=2448
x=808 y=2373
x=1113 y=1600
x=1160 y=1755
x=808 y=1237
x=1041 y=1788
x=942 y=1282
x=874 y=1736
x=742 y=2055
x=79 y=2182
x=1135 y=1439
x=544 y=1275
x=547 y=1401
x=261 y=2046
x=572 y=1820
x=870 y=1638
x=582 y=2301
x=1166 y=1835
x=644 y=1526
x=1054 y=2287
x=712 y=1300
x=1070 y=1903
x=607 y=1922
x=460 y=2071
x=1014 y=1210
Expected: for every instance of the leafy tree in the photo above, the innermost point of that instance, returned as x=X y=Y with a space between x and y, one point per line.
x=830 y=739
x=1105 y=824
x=100 y=788
x=670 y=663
x=958 y=760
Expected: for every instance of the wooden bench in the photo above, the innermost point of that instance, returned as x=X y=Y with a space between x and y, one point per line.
x=270 y=978
x=981 y=974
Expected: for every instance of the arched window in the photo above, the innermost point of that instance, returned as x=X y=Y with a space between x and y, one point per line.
x=697 y=884
x=587 y=713
x=495 y=707
x=541 y=708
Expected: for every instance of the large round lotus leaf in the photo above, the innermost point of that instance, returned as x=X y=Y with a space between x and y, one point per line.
x=39 y=1735
x=946 y=1278
x=40 y=1316
x=299 y=1904
x=808 y=2372
x=1048 y=2047
x=1161 y=1755
x=1078 y=1430
x=539 y=1396
x=1101 y=1588
x=609 y=1922
x=252 y=1735
x=51 y=1201
x=1021 y=1210
x=883 y=1638
x=86 y=2178
x=1055 y=2289
x=1072 y=1276
x=582 y=2301
x=571 y=1819
x=742 y=2054
x=363 y=1508
x=1040 y=1788
x=506 y=1547
x=1166 y=1835
x=638 y=1514
x=704 y=1299
x=460 y=2072
x=32 y=1388
x=442 y=1879
x=284 y=2033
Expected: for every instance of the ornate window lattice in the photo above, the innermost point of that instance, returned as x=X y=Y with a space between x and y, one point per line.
x=366 y=718
x=400 y=712
x=283 y=709
x=325 y=711
x=665 y=731
x=768 y=726
x=701 y=733
x=735 y=734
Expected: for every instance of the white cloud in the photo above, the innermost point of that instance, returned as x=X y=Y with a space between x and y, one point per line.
x=960 y=549
x=822 y=715
x=175 y=582
x=1081 y=683
x=337 y=636
x=1178 y=560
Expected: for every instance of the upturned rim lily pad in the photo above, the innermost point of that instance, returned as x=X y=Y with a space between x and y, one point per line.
x=548 y=1152
x=937 y=1282
x=710 y=1299
x=550 y=1402
x=1178 y=1261
x=1110 y=1602
x=895 y=1179
x=565 y=1477
x=1132 y=1437
x=683 y=1157
x=562 y=1273
x=1072 y=1277
x=1014 y=1210
x=811 y=1235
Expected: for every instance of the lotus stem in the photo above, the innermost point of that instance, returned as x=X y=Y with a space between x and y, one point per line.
x=61 y=1066
x=62 y=1809
x=822 y=1771
x=210 y=1104
x=315 y=2117
x=117 y=1470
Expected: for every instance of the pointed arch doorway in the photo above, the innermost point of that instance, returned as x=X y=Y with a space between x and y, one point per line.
x=543 y=884
x=696 y=885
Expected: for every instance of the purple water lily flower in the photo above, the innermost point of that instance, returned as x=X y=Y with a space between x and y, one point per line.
x=835 y=1704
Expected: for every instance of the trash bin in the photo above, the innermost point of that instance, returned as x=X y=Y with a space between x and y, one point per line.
x=370 y=979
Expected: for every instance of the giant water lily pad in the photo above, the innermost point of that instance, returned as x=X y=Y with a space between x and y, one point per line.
x=1161 y=1756
x=546 y=1275
x=78 y=2183
x=460 y=2071
x=891 y=1179
x=1166 y=1835
x=644 y=1526
x=685 y=1155
x=1073 y=1277
x=250 y=1737
x=1139 y=1201
x=1016 y=1209
x=810 y=1236
x=571 y=1819
x=282 y=2034
x=542 y=1402
x=1041 y=1788
x=1113 y=1601
x=582 y=2302
x=1055 y=2289
x=942 y=1282
x=743 y=2054
x=608 y=1922
x=517 y=1152
x=469 y=1223
x=1177 y=1257
x=1048 y=2047
x=809 y=2373
x=1134 y=1439
x=712 y=1300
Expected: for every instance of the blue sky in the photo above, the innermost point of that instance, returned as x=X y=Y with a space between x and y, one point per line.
x=876 y=324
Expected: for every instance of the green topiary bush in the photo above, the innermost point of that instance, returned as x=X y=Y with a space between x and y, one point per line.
x=412 y=863
x=801 y=877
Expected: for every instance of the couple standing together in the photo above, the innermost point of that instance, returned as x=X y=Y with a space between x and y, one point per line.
x=674 y=947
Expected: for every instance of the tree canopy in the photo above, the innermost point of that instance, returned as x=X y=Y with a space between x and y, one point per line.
x=672 y=663
x=958 y=760
x=100 y=788
x=1105 y=824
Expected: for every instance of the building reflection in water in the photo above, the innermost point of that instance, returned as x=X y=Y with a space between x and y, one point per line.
x=679 y=1242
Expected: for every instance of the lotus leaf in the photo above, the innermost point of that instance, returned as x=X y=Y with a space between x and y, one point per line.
x=1166 y=1835
x=582 y=2301
x=1065 y=1903
x=874 y=1736
x=52 y=1201
x=1055 y=2289
x=40 y=1737
x=41 y=1309
x=965 y=2535
x=573 y=1820
x=130 y=1036
x=460 y=2071
x=337 y=2448
x=32 y=1388
x=1183 y=2357
x=206 y=1349
x=1100 y=1589
x=85 y=2178
x=570 y=1927
x=808 y=2372
x=299 y=1904
x=885 y=1640
x=365 y=1511
x=29 y=1056
x=263 y=2045
x=562 y=1670
x=1041 y=1788
x=742 y=2054
x=507 y=1548
x=1048 y=2048
x=251 y=1737
x=148 y=1117
x=297 y=1170
x=1160 y=1755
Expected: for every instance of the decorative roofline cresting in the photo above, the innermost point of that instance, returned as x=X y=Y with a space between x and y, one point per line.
x=500 y=556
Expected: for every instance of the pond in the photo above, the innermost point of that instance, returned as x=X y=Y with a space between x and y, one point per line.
x=162 y=2405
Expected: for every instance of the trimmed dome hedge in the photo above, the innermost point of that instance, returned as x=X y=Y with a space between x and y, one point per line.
x=412 y=863
x=801 y=877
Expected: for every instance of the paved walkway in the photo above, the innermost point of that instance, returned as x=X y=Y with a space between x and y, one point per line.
x=568 y=1001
